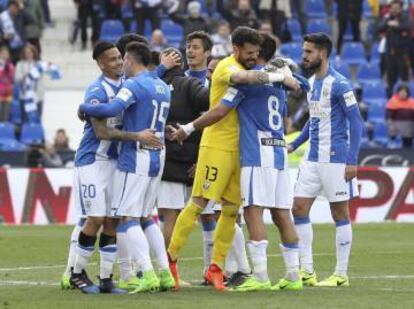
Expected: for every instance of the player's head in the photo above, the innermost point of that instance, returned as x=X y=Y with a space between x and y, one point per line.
x=267 y=48
x=155 y=60
x=176 y=51
x=137 y=58
x=316 y=49
x=128 y=38
x=198 y=49
x=211 y=67
x=108 y=58
x=246 y=45
x=396 y=7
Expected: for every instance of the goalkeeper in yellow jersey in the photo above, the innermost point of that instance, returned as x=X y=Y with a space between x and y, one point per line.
x=217 y=176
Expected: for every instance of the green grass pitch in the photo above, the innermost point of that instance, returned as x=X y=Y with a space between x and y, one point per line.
x=32 y=259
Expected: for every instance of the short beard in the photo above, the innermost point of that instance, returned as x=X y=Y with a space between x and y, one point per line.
x=311 y=69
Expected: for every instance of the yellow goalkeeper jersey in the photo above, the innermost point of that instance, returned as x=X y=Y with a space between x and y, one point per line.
x=224 y=134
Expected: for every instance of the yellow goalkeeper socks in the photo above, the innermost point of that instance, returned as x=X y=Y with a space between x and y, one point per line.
x=224 y=234
x=183 y=227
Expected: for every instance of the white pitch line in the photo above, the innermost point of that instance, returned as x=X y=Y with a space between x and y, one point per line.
x=18 y=282
x=391 y=277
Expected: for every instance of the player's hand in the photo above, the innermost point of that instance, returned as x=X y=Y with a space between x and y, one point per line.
x=170 y=60
x=289 y=148
x=350 y=172
x=149 y=138
x=179 y=136
x=191 y=171
x=292 y=83
x=169 y=131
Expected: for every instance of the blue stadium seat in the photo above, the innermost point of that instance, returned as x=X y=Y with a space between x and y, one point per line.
x=111 y=30
x=316 y=9
x=366 y=9
x=15 y=115
x=127 y=11
x=294 y=28
x=369 y=72
x=172 y=31
x=376 y=113
x=6 y=132
x=374 y=92
x=318 y=25
x=381 y=133
x=292 y=50
x=13 y=145
x=147 y=28
x=343 y=68
x=32 y=134
x=353 y=53
x=375 y=55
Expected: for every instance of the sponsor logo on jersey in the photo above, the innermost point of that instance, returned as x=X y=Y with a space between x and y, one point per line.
x=340 y=193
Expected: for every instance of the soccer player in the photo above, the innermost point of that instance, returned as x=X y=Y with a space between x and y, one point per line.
x=198 y=51
x=217 y=175
x=95 y=164
x=265 y=179
x=146 y=101
x=330 y=164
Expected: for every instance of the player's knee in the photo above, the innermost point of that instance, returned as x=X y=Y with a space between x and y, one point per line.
x=93 y=224
x=106 y=240
x=230 y=211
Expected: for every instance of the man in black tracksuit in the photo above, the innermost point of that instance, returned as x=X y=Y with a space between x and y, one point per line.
x=189 y=98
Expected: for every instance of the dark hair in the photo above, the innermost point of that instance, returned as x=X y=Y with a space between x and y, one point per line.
x=203 y=36
x=405 y=87
x=140 y=52
x=100 y=48
x=268 y=47
x=243 y=34
x=399 y=2
x=34 y=50
x=170 y=50
x=155 y=57
x=13 y=2
x=321 y=41
x=128 y=38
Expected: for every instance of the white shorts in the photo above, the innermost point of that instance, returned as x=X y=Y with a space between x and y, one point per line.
x=134 y=194
x=327 y=179
x=172 y=195
x=266 y=187
x=92 y=186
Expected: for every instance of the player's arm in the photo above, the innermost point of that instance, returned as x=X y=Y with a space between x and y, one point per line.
x=122 y=101
x=198 y=95
x=253 y=77
x=301 y=139
x=230 y=101
x=103 y=132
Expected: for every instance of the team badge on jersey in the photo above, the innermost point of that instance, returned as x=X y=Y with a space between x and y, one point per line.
x=206 y=185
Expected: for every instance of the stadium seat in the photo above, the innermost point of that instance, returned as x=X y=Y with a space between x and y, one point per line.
x=294 y=28
x=111 y=30
x=6 y=132
x=13 y=145
x=32 y=134
x=127 y=11
x=376 y=113
x=369 y=72
x=292 y=50
x=147 y=28
x=381 y=133
x=343 y=69
x=318 y=25
x=172 y=31
x=375 y=55
x=316 y=9
x=353 y=53
x=15 y=113
x=374 y=92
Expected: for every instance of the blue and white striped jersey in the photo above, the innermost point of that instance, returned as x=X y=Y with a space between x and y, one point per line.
x=261 y=109
x=330 y=99
x=91 y=149
x=146 y=99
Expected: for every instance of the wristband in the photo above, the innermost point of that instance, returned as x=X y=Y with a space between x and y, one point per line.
x=188 y=128
x=276 y=77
